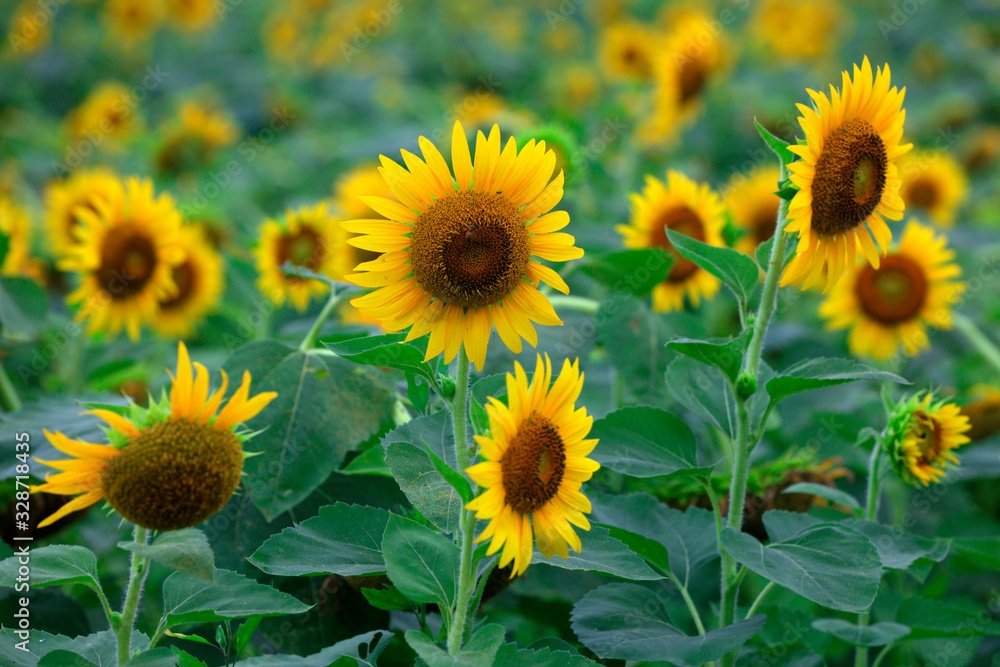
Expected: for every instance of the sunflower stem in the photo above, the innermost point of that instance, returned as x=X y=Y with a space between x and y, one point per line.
x=136 y=578
x=871 y=506
x=310 y=340
x=466 y=521
x=974 y=335
x=760 y=598
x=580 y=304
x=9 y=400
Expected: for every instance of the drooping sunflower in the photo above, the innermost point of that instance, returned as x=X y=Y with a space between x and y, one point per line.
x=128 y=247
x=687 y=207
x=134 y=20
x=628 y=49
x=307 y=237
x=199 y=284
x=535 y=464
x=754 y=206
x=934 y=183
x=107 y=117
x=890 y=307
x=192 y=15
x=847 y=177
x=62 y=198
x=797 y=29
x=167 y=467
x=192 y=139
x=458 y=253
x=922 y=436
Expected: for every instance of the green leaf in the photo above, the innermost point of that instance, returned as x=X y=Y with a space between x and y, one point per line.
x=387 y=599
x=827 y=493
x=344 y=539
x=190 y=599
x=633 y=271
x=510 y=656
x=877 y=634
x=832 y=566
x=737 y=271
x=704 y=391
x=245 y=632
x=158 y=657
x=99 y=649
x=51 y=566
x=424 y=486
x=182 y=550
x=821 y=372
x=983 y=551
x=688 y=536
x=724 y=354
x=420 y=562
x=601 y=553
x=64 y=658
x=456 y=480
x=434 y=431
x=387 y=351
x=630 y=622
x=369 y=645
x=323 y=410
x=763 y=252
x=480 y=651
x=650 y=550
x=788 y=192
x=897 y=549
x=779 y=146
x=646 y=442
x=369 y=462
x=935 y=619
x=482 y=389
x=23 y=304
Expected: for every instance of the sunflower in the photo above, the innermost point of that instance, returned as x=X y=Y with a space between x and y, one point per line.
x=15 y=224
x=128 y=247
x=167 y=467
x=627 y=51
x=934 y=182
x=192 y=15
x=983 y=411
x=63 y=198
x=797 y=29
x=921 y=446
x=108 y=114
x=535 y=463
x=192 y=139
x=199 y=283
x=27 y=34
x=307 y=237
x=754 y=206
x=134 y=20
x=283 y=35
x=687 y=207
x=890 y=307
x=457 y=254
x=847 y=177
x=359 y=182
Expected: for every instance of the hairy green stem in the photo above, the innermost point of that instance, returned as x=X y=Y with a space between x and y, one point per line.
x=310 y=339
x=974 y=335
x=760 y=598
x=136 y=578
x=467 y=521
x=871 y=507
x=881 y=654
x=580 y=304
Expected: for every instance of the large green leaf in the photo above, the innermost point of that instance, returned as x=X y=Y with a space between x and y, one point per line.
x=190 y=599
x=510 y=656
x=52 y=565
x=877 y=634
x=423 y=485
x=434 y=431
x=630 y=622
x=646 y=442
x=22 y=304
x=821 y=372
x=158 y=657
x=688 y=537
x=421 y=563
x=832 y=566
x=601 y=553
x=984 y=551
x=364 y=649
x=726 y=355
x=323 y=410
x=386 y=350
x=633 y=271
x=480 y=651
x=703 y=390
x=100 y=649
x=344 y=539
x=737 y=271
x=182 y=550
x=936 y=619
x=825 y=492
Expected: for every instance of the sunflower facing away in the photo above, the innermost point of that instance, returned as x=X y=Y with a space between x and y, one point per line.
x=890 y=307
x=62 y=198
x=754 y=206
x=847 y=177
x=458 y=254
x=535 y=463
x=167 y=467
x=934 y=183
x=921 y=450
x=128 y=247
x=687 y=207
x=199 y=283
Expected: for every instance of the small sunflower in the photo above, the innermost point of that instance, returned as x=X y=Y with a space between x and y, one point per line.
x=63 y=198
x=128 y=246
x=934 y=183
x=192 y=15
x=134 y=20
x=27 y=34
x=15 y=224
x=284 y=35
x=922 y=436
x=199 y=283
x=536 y=462
x=983 y=411
x=797 y=29
x=890 y=307
x=193 y=138
x=167 y=467
x=458 y=254
x=754 y=206
x=687 y=207
x=847 y=177
x=628 y=50
x=362 y=181
x=307 y=237
x=107 y=115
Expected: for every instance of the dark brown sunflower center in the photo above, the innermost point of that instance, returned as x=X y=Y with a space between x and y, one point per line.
x=927 y=432
x=186 y=279
x=895 y=292
x=128 y=260
x=174 y=475
x=691 y=79
x=303 y=248
x=73 y=220
x=850 y=177
x=684 y=220
x=763 y=222
x=470 y=249
x=924 y=193
x=533 y=465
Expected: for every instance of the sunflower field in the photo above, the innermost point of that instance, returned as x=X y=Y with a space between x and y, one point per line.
x=456 y=334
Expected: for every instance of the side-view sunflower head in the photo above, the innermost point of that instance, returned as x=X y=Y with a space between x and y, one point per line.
x=166 y=467
x=691 y=208
x=62 y=198
x=458 y=253
x=847 y=178
x=535 y=464
x=921 y=436
x=933 y=183
x=890 y=307
x=199 y=280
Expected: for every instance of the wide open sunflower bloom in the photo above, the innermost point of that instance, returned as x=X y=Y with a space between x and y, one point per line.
x=457 y=253
x=847 y=177
x=199 y=279
x=168 y=467
x=536 y=462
